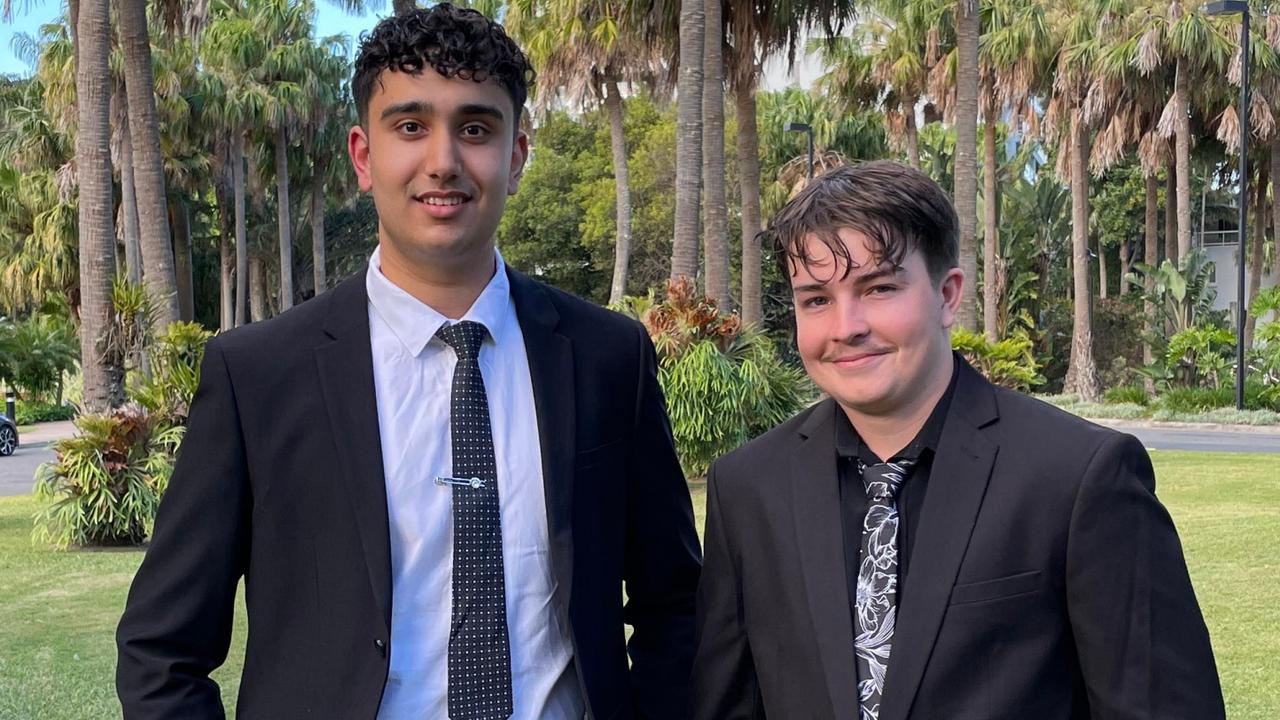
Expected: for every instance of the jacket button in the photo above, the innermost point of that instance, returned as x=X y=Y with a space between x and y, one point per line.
x=382 y=646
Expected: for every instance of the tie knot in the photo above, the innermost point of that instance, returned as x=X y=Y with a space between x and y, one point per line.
x=883 y=480
x=464 y=337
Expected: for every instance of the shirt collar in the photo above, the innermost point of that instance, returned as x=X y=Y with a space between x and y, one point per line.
x=849 y=444
x=415 y=323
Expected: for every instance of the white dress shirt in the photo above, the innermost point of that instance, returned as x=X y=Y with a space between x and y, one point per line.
x=413 y=373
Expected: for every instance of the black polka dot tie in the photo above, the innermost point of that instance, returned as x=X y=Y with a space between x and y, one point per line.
x=479 y=653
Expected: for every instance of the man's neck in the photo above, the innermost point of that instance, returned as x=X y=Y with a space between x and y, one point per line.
x=887 y=434
x=448 y=288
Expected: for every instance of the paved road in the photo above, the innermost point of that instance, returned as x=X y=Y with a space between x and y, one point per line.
x=1164 y=438
x=17 y=472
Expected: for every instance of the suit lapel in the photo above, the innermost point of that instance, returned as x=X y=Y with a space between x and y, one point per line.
x=816 y=504
x=957 y=485
x=346 y=381
x=551 y=371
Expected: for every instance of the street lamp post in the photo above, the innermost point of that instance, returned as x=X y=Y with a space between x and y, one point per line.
x=1241 y=7
x=808 y=129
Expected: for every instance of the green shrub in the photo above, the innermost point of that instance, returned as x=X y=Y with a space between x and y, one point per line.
x=36 y=352
x=723 y=385
x=1010 y=362
x=175 y=357
x=1200 y=400
x=1201 y=355
x=1130 y=394
x=30 y=413
x=106 y=482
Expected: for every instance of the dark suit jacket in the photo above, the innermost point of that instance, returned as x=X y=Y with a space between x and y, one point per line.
x=1046 y=579
x=280 y=480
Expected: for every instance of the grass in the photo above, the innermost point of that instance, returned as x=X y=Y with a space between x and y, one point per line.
x=58 y=610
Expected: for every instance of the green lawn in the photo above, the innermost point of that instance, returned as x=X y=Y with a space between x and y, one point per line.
x=58 y=610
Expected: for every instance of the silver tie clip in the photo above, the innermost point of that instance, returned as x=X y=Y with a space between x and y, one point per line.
x=474 y=483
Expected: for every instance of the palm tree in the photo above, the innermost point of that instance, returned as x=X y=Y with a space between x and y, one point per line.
x=147 y=162
x=759 y=31
x=103 y=379
x=715 y=206
x=968 y=29
x=1013 y=55
x=327 y=115
x=684 y=244
x=1077 y=47
x=584 y=52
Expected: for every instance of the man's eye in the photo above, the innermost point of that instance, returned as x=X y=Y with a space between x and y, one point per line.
x=882 y=289
x=475 y=131
x=410 y=127
x=814 y=302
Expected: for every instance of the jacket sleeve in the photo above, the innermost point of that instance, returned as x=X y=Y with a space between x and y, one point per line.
x=176 y=626
x=1143 y=647
x=662 y=559
x=724 y=674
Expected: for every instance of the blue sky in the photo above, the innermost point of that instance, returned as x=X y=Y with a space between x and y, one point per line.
x=329 y=21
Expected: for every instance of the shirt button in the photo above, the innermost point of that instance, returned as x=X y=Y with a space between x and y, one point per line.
x=381 y=646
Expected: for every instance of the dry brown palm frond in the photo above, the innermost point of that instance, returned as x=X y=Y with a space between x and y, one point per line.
x=940 y=86
x=1031 y=122
x=895 y=123
x=1168 y=119
x=1151 y=153
x=1095 y=102
x=1229 y=129
x=1273 y=31
x=1148 y=55
x=932 y=42
x=794 y=173
x=68 y=181
x=1049 y=126
x=1262 y=123
x=1233 y=69
x=1110 y=146
x=1062 y=168
x=1174 y=13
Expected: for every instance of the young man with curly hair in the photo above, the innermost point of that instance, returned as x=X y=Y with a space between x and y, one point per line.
x=437 y=479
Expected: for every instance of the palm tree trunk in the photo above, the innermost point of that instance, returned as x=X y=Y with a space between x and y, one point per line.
x=153 y=210
x=317 y=229
x=227 y=271
x=968 y=26
x=714 y=204
x=1102 y=270
x=748 y=142
x=622 y=191
x=282 y=219
x=1275 y=206
x=1082 y=375
x=103 y=375
x=913 y=138
x=684 y=244
x=1126 y=264
x=223 y=193
x=181 y=214
x=1182 y=145
x=1150 y=256
x=1171 y=216
x=1256 y=255
x=990 y=235
x=257 y=289
x=242 y=231
x=129 y=204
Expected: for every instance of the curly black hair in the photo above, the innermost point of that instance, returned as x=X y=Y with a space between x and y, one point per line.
x=453 y=41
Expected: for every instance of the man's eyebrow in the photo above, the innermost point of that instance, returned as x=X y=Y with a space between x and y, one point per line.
x=482 y=109
x=874 y=275
x=408 y=107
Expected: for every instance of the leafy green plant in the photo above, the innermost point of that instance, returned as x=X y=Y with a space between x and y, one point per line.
x=36 y=412
x=1129 y=394
x=105 y=482
x=175 y=357
x=1267 y=338
x=723 y=385
x=1201 y=355
x=1009 y=362
x=36 y=353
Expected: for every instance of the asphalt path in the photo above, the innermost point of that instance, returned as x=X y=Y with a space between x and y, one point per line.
x=18 y=471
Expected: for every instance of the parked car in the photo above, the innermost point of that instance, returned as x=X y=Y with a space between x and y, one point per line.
x=8 y=436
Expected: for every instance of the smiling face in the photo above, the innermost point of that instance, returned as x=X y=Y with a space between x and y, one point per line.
x=877 y=339
x=440 y=155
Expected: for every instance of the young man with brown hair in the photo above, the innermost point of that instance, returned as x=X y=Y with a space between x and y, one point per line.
x=923 y=544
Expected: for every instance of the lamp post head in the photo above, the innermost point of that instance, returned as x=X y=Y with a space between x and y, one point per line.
x=798 y=127
x=1226 y=7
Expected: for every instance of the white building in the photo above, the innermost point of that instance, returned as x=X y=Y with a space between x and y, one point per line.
x=1221 y=247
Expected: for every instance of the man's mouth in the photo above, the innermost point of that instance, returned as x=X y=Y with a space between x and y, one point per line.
x=442 y=199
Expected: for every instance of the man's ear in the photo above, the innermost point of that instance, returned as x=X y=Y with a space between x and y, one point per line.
x=519 y=155
x=358 y=149
x=950 y=289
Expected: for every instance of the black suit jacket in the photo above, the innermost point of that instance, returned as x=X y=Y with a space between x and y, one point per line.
x=1046 y=579
x=280 y=480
